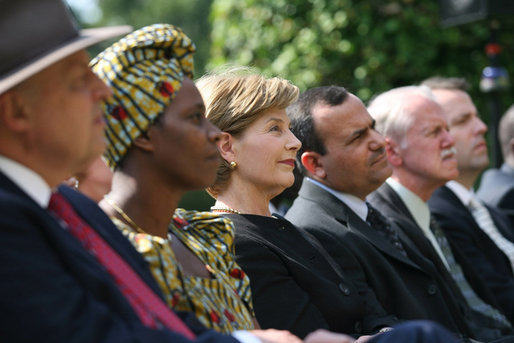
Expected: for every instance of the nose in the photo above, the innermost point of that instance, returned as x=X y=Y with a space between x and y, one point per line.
x=213 y=133
x=99 y=89
x=377 y=141
x=480 y=127
x=448 y=140
x=293 y=143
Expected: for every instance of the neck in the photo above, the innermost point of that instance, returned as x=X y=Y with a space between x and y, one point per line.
x=467 y=178
x=148 y=204
x=245 y=198
x=422 y=187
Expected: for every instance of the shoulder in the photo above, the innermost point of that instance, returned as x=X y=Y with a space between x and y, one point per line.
x=207 y=226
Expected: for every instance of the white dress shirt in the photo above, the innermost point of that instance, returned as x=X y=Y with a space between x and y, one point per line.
x=355 y=204
x=28 y=180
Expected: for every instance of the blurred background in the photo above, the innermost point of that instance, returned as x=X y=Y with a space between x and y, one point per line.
x=366 y=46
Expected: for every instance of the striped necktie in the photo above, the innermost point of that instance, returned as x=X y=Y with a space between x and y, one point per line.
x=473 y=300
x=486 y=224
x=151 y=309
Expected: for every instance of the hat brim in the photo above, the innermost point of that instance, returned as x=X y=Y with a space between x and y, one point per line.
x=86 y=38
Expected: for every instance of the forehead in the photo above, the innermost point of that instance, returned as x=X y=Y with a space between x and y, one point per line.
x=425 y=113
x=272 y=114
x=188 y=97
x=340 y=119
x=67 y=67
x=454 y=102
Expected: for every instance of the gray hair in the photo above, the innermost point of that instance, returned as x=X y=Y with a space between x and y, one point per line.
x=389 y=109
x=506 y=133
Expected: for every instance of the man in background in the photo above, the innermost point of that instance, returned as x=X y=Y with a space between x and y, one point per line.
x=482 y=233
x=497 y=185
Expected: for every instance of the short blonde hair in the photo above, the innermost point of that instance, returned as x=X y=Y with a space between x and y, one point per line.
x=234 y=98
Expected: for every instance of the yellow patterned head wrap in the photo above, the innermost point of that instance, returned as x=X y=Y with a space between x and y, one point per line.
x=144 y=70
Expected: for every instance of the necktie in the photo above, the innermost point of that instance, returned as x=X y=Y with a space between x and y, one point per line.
x=380 y=223
x=457 y=274
x=486 y=224
x=152 y=311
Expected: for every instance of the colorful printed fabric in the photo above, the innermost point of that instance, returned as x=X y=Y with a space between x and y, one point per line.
x=222 y=302
x=145 y=71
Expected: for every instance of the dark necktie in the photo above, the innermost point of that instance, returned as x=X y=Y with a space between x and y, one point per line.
x=152 y=311
x=473 y=300
x=380 y=223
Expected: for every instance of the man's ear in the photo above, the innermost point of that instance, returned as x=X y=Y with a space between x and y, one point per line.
x=15 y=116
x=312 y=162
x=225 y=147
x=393 y=153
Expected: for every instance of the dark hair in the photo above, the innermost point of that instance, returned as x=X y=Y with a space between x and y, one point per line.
x=300 y=114
x=439 y=82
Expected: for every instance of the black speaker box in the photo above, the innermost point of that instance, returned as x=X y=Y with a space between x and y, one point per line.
x=457 y=12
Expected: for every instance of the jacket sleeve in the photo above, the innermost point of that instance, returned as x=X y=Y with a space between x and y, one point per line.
x=44 y=298
x=279 y=302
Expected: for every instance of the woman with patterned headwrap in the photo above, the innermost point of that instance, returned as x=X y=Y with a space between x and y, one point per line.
x=160 y=145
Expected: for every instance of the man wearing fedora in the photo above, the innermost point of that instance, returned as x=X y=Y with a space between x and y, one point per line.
x=68 y=275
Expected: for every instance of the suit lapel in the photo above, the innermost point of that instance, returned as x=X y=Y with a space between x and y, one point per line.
x=343 y=214
x=71 y=250
x=99 y=221
x=419 y=249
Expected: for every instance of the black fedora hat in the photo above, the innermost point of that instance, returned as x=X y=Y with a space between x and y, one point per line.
x=34 y=34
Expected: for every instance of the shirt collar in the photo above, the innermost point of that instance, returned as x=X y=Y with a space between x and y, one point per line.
x=416 y=206
x=28 y=180
x=355 y=204
x=460 y=191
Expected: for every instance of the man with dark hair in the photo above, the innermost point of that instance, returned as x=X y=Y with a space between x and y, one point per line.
x=344 y=160
x=497 y=185
x=482 y=233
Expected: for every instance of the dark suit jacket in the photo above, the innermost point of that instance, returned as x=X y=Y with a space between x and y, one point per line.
x=293 y=285
x=497 y=189
x=391 y=205
x=52 y=290
x=462 y=230
x=406 y=288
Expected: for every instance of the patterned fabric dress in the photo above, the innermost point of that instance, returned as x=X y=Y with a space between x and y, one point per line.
x=222 y=302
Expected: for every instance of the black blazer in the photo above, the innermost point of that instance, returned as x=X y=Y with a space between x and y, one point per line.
x=391 y=205
x=497 y=189
x=462 y=230
x=293 y=285
x=52 y=290
x=407 y=288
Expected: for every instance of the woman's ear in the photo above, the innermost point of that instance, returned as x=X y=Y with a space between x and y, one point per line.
x=393 y=153
x=225 y=147
x=144 y=142
x=312 y=162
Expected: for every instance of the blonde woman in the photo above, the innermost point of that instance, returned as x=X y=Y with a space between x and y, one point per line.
x=294 y=286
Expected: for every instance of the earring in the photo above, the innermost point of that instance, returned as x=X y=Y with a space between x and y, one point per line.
x=233 y=165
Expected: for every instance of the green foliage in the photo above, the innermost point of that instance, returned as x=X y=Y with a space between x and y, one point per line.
x=366 y=46
x=190 y=15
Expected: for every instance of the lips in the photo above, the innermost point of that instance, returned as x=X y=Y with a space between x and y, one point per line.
x=480 y=145
x=380 y=157
x=290 y=162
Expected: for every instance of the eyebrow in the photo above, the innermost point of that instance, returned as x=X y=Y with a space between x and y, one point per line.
x=275 y=119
